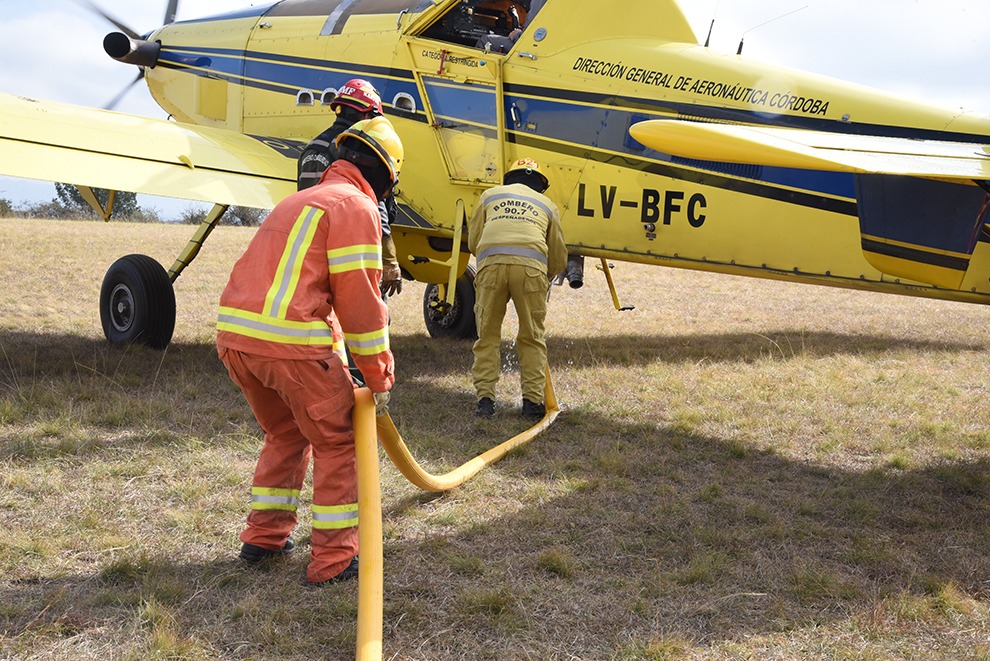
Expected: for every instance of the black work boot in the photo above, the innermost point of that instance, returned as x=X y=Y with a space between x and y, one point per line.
x=349 y=572
x=533 y=410
x=255 y=554
x=486 y=407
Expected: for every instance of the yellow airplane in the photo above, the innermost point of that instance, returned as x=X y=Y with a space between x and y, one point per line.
x=660 y=151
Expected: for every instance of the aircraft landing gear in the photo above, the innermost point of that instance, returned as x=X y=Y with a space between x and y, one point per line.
x=137 y=303
x=456 y=320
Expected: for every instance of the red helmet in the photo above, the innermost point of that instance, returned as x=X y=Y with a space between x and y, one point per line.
x=358 y=94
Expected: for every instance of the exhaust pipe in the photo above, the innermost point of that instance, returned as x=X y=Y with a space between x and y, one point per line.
x=132 y=51
x=574 y=274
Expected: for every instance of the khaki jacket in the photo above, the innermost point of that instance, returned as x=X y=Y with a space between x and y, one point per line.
x=514 y=224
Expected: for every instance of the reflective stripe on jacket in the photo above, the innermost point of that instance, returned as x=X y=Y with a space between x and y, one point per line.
x=311 y=273
x=514 y=224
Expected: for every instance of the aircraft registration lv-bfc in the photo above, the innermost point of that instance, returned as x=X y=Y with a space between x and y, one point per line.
x=659 y=150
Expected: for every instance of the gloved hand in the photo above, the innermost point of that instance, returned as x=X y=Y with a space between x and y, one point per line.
x=391 y=278
x=381 y=403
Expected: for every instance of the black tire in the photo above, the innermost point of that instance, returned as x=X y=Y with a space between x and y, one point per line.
x=137 y=303
x=458 y=322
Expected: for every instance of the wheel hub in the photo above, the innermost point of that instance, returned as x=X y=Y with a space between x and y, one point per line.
x=121 y=308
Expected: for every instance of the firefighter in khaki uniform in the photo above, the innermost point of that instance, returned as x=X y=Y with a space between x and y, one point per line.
x=309 y=277
x=517 y=241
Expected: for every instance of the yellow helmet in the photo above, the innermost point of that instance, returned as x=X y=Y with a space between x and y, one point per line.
x=528 y=166
x=378 y=134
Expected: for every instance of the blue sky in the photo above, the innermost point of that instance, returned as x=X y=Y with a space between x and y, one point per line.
x=933 y=50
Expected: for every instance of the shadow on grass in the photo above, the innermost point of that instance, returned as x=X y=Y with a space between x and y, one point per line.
x=665 y=536
x=419 y=354
x=28 y=354
x=654 y=538
x=596 y=539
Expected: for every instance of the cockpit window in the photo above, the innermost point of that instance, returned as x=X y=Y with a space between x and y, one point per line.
x=348 y=7
x=493 y=25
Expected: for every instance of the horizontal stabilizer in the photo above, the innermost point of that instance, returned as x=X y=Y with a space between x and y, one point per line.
x=815 y=150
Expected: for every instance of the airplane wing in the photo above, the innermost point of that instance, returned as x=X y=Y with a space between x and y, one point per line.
x=816 y=150
x=110 y=150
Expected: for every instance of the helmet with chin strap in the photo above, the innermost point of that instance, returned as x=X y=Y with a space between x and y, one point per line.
x=526 y=167
x=380 y=138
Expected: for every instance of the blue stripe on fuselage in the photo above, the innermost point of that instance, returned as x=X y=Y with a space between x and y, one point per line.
x=280 y=73
x=582 y=119
x=607 y=128
x=179 y=54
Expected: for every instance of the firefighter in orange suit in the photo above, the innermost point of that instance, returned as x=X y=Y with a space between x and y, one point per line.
x=516 y=238
x=307 y=283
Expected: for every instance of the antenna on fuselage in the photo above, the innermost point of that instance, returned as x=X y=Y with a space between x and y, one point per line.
x=712 y=26
x=741 y=39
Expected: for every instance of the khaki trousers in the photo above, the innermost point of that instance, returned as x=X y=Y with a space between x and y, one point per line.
x=495 y=285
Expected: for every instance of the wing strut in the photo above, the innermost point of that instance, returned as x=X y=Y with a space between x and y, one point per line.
x=89 y=195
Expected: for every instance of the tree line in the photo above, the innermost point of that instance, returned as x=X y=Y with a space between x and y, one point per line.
x=68 y=204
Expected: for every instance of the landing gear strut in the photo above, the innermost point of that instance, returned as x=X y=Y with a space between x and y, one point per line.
x=451 y=320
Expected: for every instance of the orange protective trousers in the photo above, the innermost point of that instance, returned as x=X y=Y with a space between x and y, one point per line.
x=304 y=407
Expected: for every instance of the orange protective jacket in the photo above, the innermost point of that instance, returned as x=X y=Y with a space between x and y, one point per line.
x=315 y=260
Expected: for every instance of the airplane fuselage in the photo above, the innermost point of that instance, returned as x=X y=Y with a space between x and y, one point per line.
x=566 y=93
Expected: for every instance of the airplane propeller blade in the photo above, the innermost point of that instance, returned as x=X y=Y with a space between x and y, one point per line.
x=120 y=26
x=117 y=99
x=173 y=6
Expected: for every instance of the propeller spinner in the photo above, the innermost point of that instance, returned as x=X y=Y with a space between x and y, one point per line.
x=128 y=46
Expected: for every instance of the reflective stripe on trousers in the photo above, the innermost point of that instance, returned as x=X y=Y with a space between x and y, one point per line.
x=304 y=408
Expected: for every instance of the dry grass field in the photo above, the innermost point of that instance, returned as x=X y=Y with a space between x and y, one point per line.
x=743 y=469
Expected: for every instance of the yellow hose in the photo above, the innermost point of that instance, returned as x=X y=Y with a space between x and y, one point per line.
x=370 y=580
x=403 y=459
